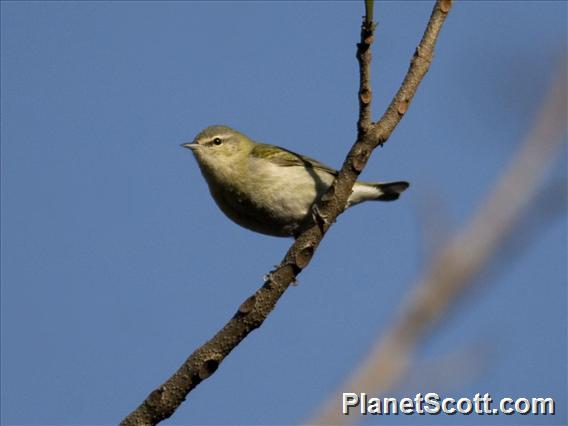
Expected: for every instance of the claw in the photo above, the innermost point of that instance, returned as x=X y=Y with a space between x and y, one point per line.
x=320 y=219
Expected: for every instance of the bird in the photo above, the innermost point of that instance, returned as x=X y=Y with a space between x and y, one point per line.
x=269 y=189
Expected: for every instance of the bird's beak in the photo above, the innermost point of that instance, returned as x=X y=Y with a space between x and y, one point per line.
x=190 y=145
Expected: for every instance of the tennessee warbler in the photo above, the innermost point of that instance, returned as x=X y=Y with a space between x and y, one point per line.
x=269 y=189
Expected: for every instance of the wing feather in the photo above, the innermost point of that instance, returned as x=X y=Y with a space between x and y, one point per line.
x=286 y=158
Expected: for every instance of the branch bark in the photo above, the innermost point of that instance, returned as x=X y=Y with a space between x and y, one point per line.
x=163 y=401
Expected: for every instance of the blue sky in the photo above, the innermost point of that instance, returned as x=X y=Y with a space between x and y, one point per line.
x=117 y=264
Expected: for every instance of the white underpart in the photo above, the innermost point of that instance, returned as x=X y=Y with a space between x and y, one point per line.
x=288 y=192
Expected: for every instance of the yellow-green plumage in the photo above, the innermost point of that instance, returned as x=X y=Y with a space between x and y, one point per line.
x=269 y=189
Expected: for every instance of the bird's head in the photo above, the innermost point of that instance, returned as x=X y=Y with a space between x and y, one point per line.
x=217 y=146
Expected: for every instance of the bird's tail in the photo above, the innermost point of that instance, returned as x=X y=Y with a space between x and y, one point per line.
x=386 y=191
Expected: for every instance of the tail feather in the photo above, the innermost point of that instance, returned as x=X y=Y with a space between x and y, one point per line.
x=391 y=190
x=387 y=191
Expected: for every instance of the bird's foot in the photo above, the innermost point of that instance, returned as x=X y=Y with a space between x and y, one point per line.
x=320 y=219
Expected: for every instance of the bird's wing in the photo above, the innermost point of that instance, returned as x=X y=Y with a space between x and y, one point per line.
x=286 y=158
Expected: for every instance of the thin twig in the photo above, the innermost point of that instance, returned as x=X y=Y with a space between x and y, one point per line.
x=364 y=59
x=369 y=6
x=162 y=402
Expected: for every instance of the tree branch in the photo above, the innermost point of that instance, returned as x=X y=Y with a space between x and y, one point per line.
x=163 y=401
x=454 y=268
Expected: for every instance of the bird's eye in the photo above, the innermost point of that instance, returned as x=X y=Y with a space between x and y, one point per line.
x=217 y=141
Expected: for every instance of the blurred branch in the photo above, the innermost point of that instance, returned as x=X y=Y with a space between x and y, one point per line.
x=548 y=205
x=452 y=271
x=433 y=222
x=164 y=400
x=447 y=371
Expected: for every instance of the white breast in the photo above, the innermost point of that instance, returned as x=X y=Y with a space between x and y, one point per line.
x=287 y=192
